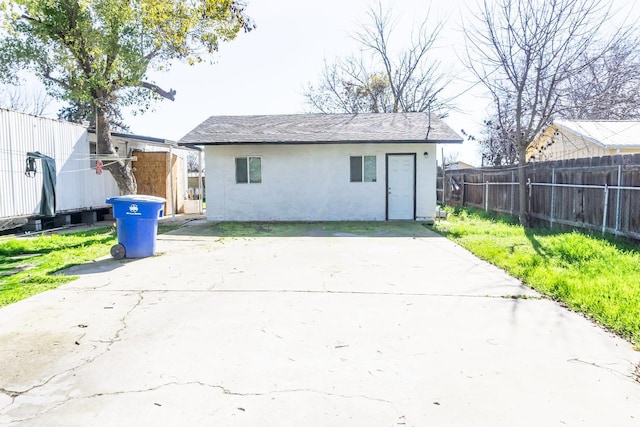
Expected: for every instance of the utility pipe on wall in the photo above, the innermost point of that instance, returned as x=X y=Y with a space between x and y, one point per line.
x=200 y=210
x=173 y=204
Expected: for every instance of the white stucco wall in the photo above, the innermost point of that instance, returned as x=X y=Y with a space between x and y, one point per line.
x=311 y=183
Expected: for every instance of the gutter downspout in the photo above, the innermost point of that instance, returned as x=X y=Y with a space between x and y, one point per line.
x=200 y=186
x=173 y=204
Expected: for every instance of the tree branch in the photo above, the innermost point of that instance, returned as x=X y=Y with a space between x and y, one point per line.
x=47 y=75
x=148 y=57
x=171 y=95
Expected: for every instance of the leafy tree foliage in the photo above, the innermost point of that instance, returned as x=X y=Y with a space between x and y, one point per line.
x=98 y=53
x=86 y=113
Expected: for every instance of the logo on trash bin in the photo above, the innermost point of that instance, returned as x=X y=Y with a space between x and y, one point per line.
x=133 y=209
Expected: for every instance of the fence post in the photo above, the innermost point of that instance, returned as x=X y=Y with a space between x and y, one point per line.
x=528 y=190
x=512 y=191
x=486 y=196
x=618 y=201
x=606 y=208
x=462 y=202
x=553 y=198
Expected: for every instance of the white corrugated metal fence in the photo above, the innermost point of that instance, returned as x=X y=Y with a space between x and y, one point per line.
x=78 y=186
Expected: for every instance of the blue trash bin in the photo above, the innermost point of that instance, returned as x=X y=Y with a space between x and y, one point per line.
x=136 y=224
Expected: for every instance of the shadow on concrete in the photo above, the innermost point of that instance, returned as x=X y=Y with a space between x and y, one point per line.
x=306 y=229
x=99 y=266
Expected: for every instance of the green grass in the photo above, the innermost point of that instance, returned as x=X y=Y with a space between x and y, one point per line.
x=27 y=265
x=590 y=274
x=165 y=228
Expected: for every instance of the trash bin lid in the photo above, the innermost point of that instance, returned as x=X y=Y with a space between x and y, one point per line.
x=136 y=198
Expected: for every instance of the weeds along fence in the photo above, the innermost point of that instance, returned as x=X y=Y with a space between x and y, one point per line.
x=598 y=193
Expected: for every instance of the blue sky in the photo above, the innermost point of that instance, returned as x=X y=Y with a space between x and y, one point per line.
x=265 y=71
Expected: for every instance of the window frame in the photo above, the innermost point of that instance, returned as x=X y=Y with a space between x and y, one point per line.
x=247 y=165
x=363 y=168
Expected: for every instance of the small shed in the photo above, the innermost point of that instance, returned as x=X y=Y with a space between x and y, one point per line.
x=321 y=167
x=575 y=139
x=160 y=167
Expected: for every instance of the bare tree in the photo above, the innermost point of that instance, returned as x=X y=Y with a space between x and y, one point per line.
x=193 y=161
x=379 y=79
x=497 y=146
x=497 y=140
x=526 y=52
x=347 y=86
x=609 y=86
x=450 y=158
x=19 y=98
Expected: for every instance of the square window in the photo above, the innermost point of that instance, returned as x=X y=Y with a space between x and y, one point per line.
x=363 y=168
x=248 y=170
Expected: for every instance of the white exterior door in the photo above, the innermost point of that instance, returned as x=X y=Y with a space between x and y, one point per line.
x=401 y=186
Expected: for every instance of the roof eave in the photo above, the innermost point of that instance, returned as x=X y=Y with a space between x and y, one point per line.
x=621 y=147
x=142 y=138
x=430 y=141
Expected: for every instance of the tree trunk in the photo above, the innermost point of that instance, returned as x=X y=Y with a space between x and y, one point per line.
x=120 y=170
x=522 y=186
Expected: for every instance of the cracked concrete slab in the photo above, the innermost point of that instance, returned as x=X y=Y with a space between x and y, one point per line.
x=301 y=330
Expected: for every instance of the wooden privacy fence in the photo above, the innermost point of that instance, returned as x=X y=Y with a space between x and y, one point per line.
x=600 y=193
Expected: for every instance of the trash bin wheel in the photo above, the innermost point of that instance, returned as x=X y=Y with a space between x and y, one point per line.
x=117 y=251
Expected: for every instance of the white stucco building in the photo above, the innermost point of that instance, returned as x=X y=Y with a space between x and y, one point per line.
x=321 y=167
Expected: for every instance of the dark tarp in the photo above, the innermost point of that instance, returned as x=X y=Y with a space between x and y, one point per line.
x=48 y=199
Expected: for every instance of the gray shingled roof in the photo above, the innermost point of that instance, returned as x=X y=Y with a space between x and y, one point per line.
x=321 y=129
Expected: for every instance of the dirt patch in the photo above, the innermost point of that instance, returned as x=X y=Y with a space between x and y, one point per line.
x=14 y=270
x=10 y=265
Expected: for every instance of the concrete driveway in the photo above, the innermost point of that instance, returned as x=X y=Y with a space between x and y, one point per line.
x=321 y=328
